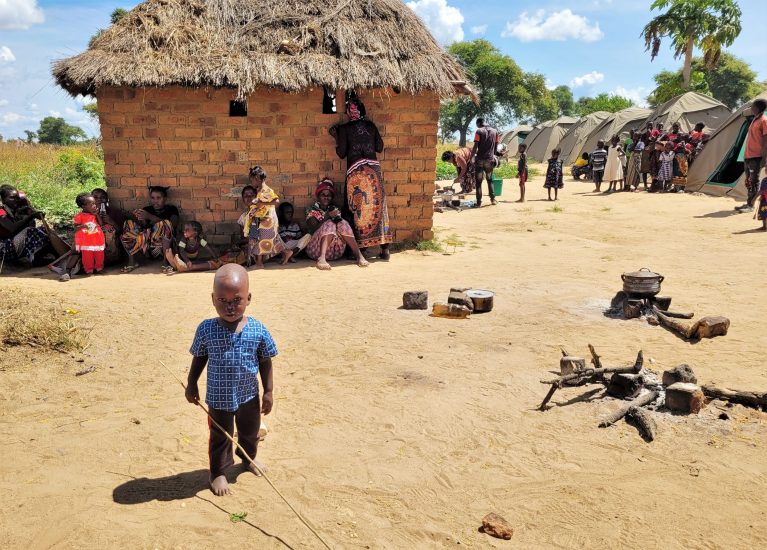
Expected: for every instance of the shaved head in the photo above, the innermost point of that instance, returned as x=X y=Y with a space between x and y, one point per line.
x=231 y=276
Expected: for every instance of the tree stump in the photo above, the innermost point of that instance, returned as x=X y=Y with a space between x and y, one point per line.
x=624 y=385
x=415 y=299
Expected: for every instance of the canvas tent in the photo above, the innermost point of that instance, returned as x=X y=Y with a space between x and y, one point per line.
x=540 y=146
x=718 y=170
x=537 y=129
x=615 y=124
x=515 y=136
x=688 y=109
x=577 y=134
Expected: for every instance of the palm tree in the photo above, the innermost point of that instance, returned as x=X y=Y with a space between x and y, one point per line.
x=707 y=24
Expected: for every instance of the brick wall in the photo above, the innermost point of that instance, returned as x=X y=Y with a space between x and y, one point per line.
x=184 y=138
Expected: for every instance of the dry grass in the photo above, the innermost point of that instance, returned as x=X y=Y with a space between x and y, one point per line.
x=25 y=321
x=286 y=44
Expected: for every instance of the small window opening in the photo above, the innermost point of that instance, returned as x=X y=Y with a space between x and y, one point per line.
x=238 y=108
x=329 y=103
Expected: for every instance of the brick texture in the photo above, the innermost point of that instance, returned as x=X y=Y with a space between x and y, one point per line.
x=184 y=138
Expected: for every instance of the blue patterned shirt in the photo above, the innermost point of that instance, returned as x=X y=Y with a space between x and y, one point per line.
x=232 y=361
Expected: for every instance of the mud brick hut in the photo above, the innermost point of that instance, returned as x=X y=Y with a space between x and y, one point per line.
x=191 y=93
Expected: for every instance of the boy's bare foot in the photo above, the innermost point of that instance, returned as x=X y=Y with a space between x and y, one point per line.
x=323 y=265
x=286 y=256
x=220 y=486
x=362 y=262
x=261 y=466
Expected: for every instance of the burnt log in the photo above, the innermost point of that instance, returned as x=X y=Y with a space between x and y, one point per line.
x=676 y=315
x=571 y=365
x=623 y=385
x=663 y=302
x=749 y=399
x=632 y=309
x=683 y=329
x=640 y=401
x=709 y=327
x=643 y=421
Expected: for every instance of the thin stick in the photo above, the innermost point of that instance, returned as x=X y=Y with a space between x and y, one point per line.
x=252 y=462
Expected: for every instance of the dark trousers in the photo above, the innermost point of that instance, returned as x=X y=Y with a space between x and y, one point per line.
x=752 y=167
x=484 y=170
x=248 y=421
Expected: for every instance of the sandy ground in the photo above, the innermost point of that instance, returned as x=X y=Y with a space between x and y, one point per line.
x=394 y=429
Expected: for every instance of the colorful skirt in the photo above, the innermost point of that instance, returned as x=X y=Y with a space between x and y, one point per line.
x=230 y=257
x=25 y=245
x=469 y=178
x=666 y=170
x=337 y=244
x=265 y=240
x=366 y=197
x=148 y=241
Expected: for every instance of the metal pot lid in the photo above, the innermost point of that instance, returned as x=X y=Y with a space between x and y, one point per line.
x=476 y=293
x=643 y=273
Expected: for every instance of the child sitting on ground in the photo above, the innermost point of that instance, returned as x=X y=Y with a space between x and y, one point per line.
x=290 y=232
x=89 y=238
x=522 y=170
x=554 y=175
x=236 y=349
x=190 y=248
x=581 y=167
x=598 y=161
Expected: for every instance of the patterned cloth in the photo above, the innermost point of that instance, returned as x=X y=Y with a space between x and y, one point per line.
x=763 y=200
x=554 y=175
x=261 y=226
x=148 y=241
x=24 y=245
x=666 y=168
x=337 y=244
x=232 y=361
x=366 y=197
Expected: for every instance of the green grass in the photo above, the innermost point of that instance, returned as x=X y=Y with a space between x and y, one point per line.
x=555 y=209
x=432 y=245
x=52 y=176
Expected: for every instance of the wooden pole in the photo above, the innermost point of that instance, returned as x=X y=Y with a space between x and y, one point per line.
x=750 y=399
x=640 y=401
x=252 y=462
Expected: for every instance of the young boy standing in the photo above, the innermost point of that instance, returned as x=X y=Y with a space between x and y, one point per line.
x=236 y=349
x=598 y=161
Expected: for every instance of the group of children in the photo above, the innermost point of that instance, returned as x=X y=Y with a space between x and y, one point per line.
x=554 y=173
x=664 y=157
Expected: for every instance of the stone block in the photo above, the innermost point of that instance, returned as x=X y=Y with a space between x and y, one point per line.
x=460 y=298
x=684 y=397
x=415 y=299
x=681 y=373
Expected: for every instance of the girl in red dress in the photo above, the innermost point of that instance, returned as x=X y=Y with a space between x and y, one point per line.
x=89 y=238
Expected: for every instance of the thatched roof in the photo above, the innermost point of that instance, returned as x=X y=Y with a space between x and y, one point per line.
x=286 y=44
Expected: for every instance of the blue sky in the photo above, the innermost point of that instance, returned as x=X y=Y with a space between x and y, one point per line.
x=592 y=45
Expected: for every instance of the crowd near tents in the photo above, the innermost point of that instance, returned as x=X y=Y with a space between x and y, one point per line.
x=717 y=170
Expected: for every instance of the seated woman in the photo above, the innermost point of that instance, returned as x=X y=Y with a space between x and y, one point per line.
x=290 y=232
x=20 y=240
x=154 y=225
x=467 y=175
x=112 y=221
x=330 y=233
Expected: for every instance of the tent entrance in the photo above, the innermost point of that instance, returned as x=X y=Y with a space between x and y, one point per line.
x=731 y=167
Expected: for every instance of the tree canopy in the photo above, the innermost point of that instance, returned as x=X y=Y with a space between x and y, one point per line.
x=55 y=130
x=603 y=102
x=505 y=91
x=732 y=82
x=563 y=95
x=708 y=25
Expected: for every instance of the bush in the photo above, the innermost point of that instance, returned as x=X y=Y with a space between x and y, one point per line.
x=52 y=176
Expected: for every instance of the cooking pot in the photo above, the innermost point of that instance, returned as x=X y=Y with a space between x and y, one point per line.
x=643 y=282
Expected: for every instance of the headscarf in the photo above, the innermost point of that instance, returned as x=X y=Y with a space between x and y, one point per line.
x=355 y=109
x=325 y=185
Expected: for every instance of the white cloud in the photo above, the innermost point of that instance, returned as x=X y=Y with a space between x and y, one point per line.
x=54 y=113
x=550 y=85
x=445 y=22
x=20 y=14
x=559 y=25
x=479 y=30
x=6 y=55
x=4 y=102
x=6 y=119
x=637 y=95
x=589 y=78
